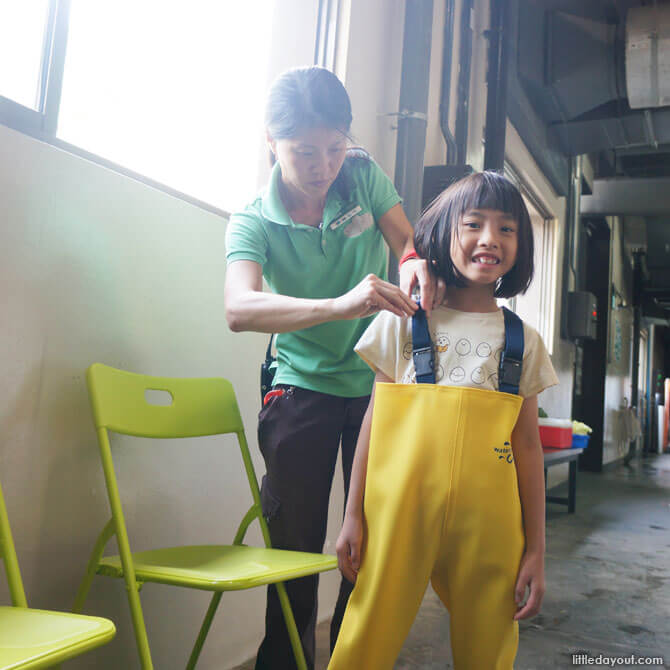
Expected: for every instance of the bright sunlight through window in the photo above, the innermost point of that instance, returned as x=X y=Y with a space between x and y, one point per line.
x=172 y=90
x=21 y=37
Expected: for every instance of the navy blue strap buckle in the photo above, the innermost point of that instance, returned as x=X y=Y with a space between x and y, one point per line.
x=510 y=370
x=511 y=358
x=423 y=361
x=422 y=349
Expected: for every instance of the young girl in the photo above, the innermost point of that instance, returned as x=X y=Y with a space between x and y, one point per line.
x=452 y=472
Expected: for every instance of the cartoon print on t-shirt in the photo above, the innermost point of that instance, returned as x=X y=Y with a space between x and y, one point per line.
x=457 y=375
x=493 y=378
x=463 y=347
x=407 y=351
x=497 y=354
x=478 y=376
x=442 y=342
x=484 y=350
x=439 y=373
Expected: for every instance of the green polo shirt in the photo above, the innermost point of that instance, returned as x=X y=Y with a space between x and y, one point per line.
x=325 y=262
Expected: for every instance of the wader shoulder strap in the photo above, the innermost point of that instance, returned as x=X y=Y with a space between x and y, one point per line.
x=511 y=359
x=422 y=349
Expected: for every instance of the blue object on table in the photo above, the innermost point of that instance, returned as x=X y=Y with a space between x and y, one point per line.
x=580 y=441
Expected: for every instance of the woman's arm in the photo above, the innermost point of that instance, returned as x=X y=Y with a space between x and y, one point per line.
x=349 y=542
x=529 y=463
x=399 y=235
x=249 y=308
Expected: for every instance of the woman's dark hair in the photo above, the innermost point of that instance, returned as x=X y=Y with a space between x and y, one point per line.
x=306 y=97
x=312 y=97
x=438 y=224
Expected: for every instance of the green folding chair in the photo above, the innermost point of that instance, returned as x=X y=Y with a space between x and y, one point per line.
x=199 y=407
x=31 y=639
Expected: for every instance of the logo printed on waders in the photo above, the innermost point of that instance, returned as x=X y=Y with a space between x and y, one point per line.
x=504 y=453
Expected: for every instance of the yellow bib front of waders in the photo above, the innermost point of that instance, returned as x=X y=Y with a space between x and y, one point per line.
x=441 y=505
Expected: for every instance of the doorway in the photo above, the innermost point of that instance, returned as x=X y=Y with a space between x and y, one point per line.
x=588 y=401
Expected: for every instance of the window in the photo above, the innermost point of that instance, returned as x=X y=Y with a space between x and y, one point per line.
x=23 y=28
x=169 y=91
x=537 y=306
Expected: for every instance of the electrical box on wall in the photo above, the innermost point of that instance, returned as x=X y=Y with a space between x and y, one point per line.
x=582 y=315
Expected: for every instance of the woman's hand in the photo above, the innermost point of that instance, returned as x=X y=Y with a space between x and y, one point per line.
x=417 y=271
x=531 y=576
x=373 y=295
x=349 y=547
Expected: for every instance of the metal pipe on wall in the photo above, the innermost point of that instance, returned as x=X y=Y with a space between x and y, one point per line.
x=413 y=104
x=463 y=88
x=496 y=98
x=445 y=86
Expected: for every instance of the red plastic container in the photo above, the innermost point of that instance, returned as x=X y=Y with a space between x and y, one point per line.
x=556 y=433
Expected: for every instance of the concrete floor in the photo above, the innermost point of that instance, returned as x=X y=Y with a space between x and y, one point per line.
x=608 y=580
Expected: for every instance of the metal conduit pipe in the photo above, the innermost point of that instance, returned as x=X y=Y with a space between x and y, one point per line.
x=412 y=116
x=496 y=97
x=464 y=61
x=445 y=86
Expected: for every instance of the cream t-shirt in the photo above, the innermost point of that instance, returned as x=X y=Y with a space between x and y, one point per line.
x=467 y=348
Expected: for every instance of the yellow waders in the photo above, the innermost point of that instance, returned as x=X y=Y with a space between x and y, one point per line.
x=441 y=504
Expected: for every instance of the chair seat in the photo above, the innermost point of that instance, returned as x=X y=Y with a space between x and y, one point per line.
x=220 y=567
x=31 y=639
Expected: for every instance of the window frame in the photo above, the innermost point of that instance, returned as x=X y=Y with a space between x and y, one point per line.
x=43 y=121
x=547 y=273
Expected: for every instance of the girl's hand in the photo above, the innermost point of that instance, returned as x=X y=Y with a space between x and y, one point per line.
x=417 y=271
x=372 y=295
x=349 y=547
x=531 y=575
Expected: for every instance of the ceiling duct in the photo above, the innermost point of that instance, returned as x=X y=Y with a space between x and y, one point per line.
x=579 y=63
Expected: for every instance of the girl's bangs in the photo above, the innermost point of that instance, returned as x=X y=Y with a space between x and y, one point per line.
x=488 y=191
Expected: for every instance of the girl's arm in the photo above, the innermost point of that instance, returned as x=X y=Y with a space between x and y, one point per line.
x=529 y=463
x=249 y=308
x=399 y=235
x=350 y=540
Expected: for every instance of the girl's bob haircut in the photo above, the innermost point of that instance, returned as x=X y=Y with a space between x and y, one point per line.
x=435 y=230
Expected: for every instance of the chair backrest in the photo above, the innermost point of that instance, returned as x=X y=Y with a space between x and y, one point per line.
x=8 y=553
x=199 y=406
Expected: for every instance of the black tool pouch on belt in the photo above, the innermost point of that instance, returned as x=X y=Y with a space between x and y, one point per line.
x=267 y=371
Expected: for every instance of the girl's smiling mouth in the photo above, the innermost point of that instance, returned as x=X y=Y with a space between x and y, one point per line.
x=486 y=259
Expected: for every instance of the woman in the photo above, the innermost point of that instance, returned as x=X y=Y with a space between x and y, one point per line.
x=317 y=235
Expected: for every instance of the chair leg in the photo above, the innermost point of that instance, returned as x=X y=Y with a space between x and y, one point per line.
x=291 y=627
x=204 y=629
x=138 y=626
x=92 y=566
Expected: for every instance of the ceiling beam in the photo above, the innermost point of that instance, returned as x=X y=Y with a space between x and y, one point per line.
x=628 y=196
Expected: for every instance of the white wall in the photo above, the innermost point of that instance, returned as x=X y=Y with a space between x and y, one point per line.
x=97 y=267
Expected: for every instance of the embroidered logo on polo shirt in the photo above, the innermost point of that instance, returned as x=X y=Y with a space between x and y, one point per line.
x=345 y=217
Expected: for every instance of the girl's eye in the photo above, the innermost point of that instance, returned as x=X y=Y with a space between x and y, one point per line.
x=508 y=229
x=471 y=224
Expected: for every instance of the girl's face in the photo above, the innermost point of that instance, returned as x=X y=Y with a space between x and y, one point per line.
x=311 y=160
x=484 y=246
